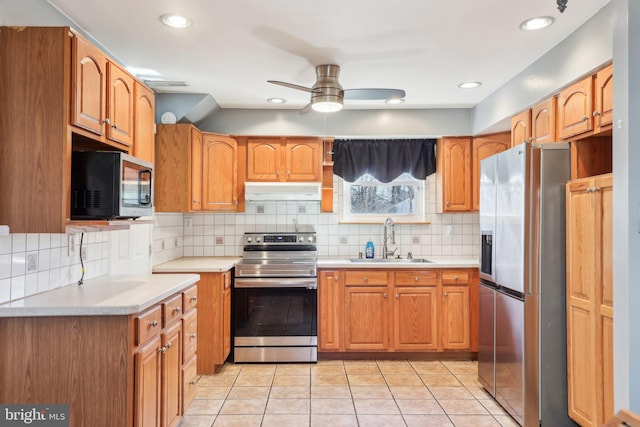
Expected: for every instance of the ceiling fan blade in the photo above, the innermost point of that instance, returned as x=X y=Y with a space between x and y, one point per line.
x=294 y=86
x=307 y=109
x=373 y=93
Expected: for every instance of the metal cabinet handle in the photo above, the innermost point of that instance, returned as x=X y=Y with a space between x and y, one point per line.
x=194 y=298
x=416 y=278
x=162 y=349
x=288 y=172
x=446 y=294
x=169 y=345
x=195 y=201
x=366 y=279
x=585 y=118
x=106 y=121
x=153 y=324
x=385 y=294
x=177 y=310
x=449 y=203
x=192 y=336
x=455 y=278
x=596 y=113
x=192 y=382
x=115 y=126
x=397 y=296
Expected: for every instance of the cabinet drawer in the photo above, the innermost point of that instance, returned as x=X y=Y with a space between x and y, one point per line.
x=189 y=383
x=366 y=278
x=455 y=277
x=416 y=278
x=148 y=325
x=190 y=337
x=172 y=310
x=190 y=299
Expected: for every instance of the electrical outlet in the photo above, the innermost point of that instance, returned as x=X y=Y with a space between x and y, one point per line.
x=71 y=245
x=344 y=240
x=302 y=209
x=32 y=262
x=260 y=209
x=84 y=253
x=162 y=245
x=219 y=240
x=415 y=240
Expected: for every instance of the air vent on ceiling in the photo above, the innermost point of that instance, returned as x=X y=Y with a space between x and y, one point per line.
x=164 y=84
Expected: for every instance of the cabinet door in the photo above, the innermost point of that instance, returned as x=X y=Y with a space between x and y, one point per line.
x=196 y=170
x=219 y=173
x=484 y=147
x=226 y=321
x=543 y=121
x=456 y=174
x=303 y=160
x=144 y=113
x=329 y=311
x=456 y=319
x=582 y=237
x=147 y=385
x=603 y=110
x=521 y=128
x=171 y=373
x=211 y=325
x=89 y=83
x=366 y=318
x=264 y=161
x=415 y=313
x=120 y=105
x=575 y=107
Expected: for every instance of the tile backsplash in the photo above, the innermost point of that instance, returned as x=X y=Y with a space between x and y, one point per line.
x=220 y=234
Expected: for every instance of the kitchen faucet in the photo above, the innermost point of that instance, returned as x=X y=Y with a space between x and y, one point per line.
x=385 y=251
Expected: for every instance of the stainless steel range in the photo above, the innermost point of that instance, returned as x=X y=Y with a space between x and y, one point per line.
x=275 y=299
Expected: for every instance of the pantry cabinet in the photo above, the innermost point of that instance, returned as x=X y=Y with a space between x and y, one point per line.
x=195 y=171
x=284 y=159
x=590 y=300
x=364 y=310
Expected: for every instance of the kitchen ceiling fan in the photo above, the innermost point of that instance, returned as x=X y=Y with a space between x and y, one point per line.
x=327 y=94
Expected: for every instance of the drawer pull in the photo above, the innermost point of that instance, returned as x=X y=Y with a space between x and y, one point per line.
x=366 y=279
x=169 y=345
x=416 y=278
x=446 y=294
x=194 y=298
x=192 y=382
x=385 y=295
x=455 y=278
x=397 y=296
x=153 y=324
x=176 y=310
x=162 y=349
x=192 y=336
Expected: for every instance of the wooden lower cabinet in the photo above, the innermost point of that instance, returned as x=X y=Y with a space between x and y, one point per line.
x=397 y=310
x=147 y=379
x=171 y=387
x=590 y=300
x=415 y=325
x=214 y=320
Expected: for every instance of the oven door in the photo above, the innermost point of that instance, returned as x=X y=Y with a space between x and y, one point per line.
x=275 y=320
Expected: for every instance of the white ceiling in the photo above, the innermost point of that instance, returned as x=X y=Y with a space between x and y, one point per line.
x=425 y=47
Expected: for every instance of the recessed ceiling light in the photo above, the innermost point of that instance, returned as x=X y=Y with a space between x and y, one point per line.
x=175 y=21
x=469 y=85
x=537 y=23
x=394 y=101
x=276 y=100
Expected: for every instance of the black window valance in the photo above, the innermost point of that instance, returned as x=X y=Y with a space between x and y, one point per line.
x=384 y=159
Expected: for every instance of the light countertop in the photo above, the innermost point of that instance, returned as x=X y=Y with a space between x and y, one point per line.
x=103 y=296
x=436 y=262
x=197 y=264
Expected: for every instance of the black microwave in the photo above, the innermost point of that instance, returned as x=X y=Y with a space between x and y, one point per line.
x=110 y=185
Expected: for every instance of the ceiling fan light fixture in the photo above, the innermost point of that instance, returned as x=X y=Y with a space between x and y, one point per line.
x=175 y=21
x=469 y=85
x=326 y=103
x=394 y=101
x=536 y=23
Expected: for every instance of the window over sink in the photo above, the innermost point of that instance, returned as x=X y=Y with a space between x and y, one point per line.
x=367 y=200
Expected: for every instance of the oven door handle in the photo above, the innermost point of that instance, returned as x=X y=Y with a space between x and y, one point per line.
x=274 y=282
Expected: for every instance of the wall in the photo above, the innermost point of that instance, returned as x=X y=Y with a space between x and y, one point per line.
x=58 y=262
x=220 y=234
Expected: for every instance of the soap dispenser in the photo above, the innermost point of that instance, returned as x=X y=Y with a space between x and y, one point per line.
x=368 y=249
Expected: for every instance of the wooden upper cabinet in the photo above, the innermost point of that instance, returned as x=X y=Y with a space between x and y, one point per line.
x=543 y=121
x=195 y=153
x=219 y=173
x=263 y=159
x=484 y=147
x=575 y=109
x=603 y=109
x=89 y=74
x=284 y=159
x=454 y=164
x=521 y=128
x=144 y=113
x=303 y=159
x=120 y=105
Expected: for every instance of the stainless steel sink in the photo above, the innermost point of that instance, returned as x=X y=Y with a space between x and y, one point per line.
x=390 y=260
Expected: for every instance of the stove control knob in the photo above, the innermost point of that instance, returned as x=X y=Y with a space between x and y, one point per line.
x=249 y=239
x=310 y=239
x=258 y=240
x=300 y=239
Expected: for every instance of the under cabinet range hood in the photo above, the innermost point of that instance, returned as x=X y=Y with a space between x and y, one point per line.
x=282 y=191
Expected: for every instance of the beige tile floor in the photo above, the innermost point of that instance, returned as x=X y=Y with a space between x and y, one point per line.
x=345 y=393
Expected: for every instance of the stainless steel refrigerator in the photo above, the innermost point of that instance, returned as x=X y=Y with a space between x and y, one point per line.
x=522 y=342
